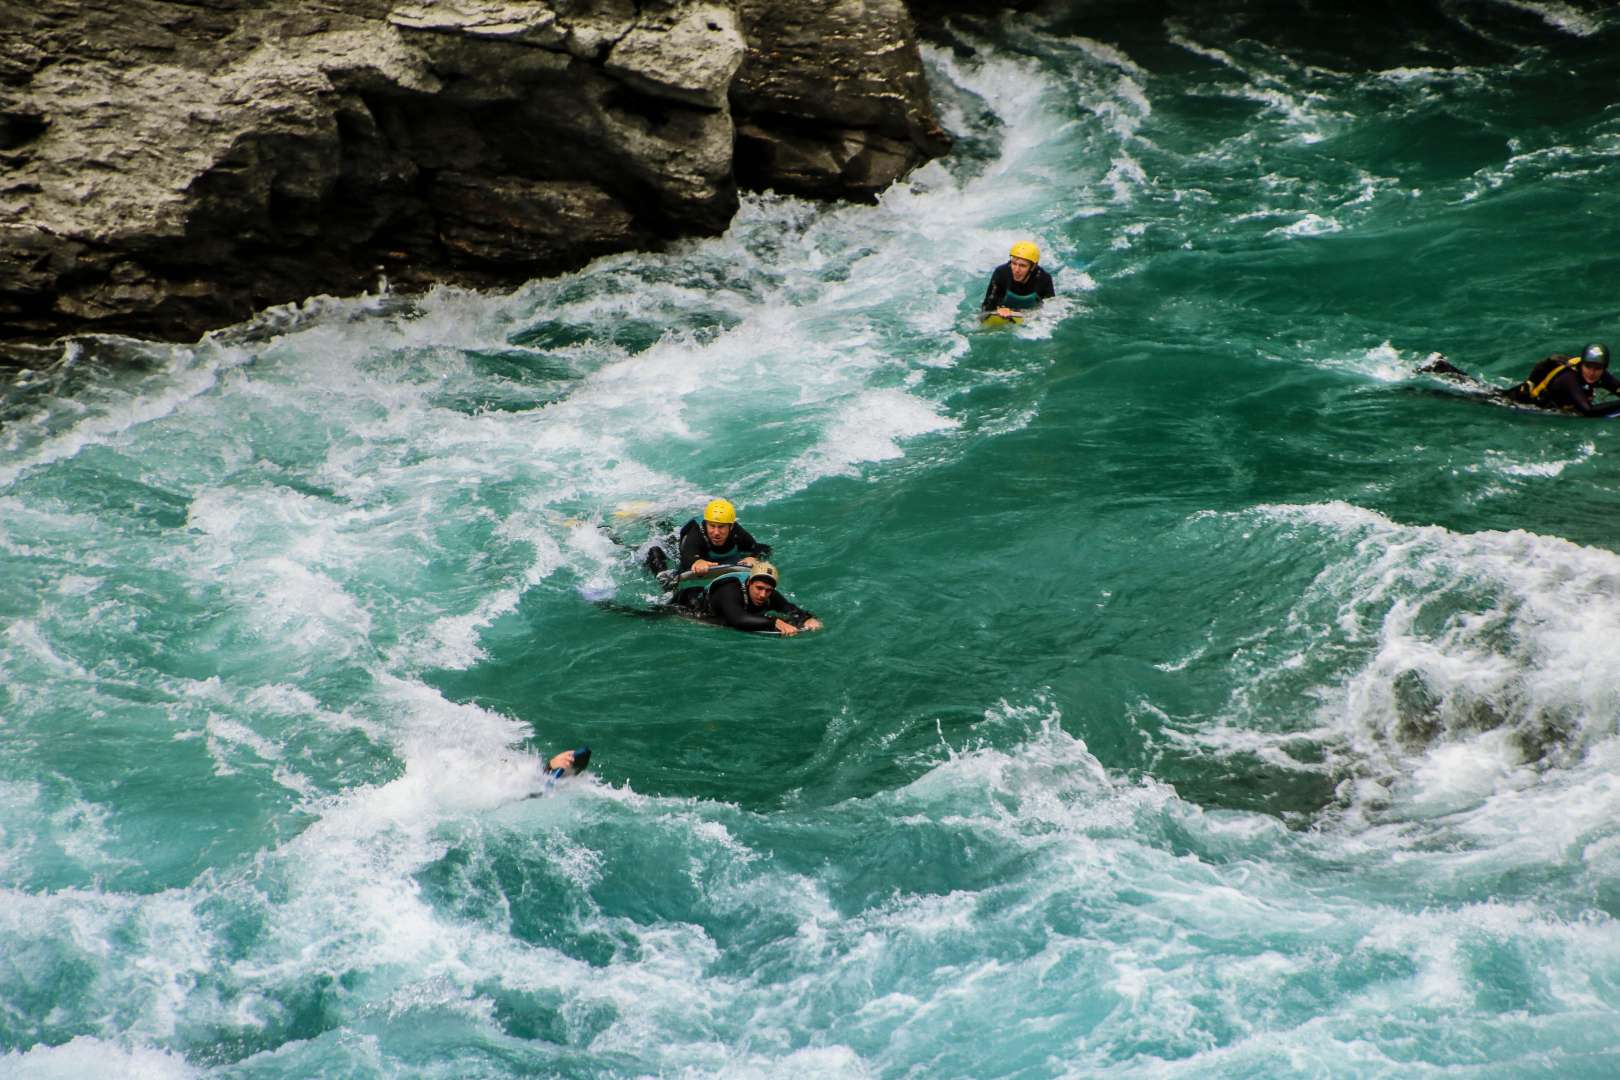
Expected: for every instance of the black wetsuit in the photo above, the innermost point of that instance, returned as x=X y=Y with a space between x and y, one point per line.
x=1039 y=282
x=739 y=545
x=727 y=601
x=1566 y=389
x=692 y=544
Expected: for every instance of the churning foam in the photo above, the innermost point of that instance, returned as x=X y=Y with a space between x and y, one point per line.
x=1560 y=16
x=362 y=507
x=1458 y=667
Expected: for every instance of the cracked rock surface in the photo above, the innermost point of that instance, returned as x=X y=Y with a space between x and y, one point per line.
x=170 y=166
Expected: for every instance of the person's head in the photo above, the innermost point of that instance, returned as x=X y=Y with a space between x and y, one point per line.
x=1022 y=258
x=719 y=518
x=1594 y=361
x=762 y=579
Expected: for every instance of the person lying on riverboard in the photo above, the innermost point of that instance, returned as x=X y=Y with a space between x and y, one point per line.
x=1019 y=284
x=747 y=599
x=1567 y=383
x=714 y=540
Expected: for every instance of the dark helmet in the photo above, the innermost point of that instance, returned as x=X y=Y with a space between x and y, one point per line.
x=1596 y=353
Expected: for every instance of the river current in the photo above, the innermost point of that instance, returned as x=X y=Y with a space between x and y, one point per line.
x=1203 y=693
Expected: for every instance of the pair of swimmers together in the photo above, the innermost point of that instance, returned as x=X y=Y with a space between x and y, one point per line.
x=722 y=574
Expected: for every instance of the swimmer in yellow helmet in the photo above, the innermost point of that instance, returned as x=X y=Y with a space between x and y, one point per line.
x=1018 y=284
x=717 y=539
x=704 y=544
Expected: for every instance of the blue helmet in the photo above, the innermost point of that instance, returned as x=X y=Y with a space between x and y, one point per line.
x=1596 y=353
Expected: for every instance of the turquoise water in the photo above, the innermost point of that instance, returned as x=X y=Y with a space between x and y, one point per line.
x=1203 y=693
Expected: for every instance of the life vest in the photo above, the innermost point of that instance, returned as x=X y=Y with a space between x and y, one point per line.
x=730 y=555
x=1023 y=301
x=742 y=575
x=1542 y=375
x=703 y=585
x=711 y=553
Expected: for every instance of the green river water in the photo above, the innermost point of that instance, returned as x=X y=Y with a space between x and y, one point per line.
x=1203 y=693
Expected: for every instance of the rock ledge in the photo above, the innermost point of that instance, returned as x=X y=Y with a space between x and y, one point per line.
x=171 y=166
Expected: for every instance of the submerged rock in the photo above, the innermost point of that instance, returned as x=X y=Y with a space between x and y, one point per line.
x=167 y=167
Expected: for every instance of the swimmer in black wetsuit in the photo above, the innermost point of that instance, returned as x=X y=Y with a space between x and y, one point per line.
x=748 y=600
x=1559 y=382
x=713 y=540
x=1568 y=382
x=1018 y=284
x=718 y=539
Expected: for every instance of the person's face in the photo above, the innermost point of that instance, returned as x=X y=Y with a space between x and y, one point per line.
x=716 y=532
x=1019 y=267
x=1592 y=372
x=759 y=591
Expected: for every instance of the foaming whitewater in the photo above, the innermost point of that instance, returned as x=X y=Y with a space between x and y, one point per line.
x=1203 y=692
x=1449 y=667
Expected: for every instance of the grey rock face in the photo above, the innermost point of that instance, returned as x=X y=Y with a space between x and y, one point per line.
x=168 y=166
x=832 y=97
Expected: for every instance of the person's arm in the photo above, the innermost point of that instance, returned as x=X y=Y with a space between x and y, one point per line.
x=1568 y=392
x=996 y=292
x=1043 y=284
x=692 y=548
x=726 y=602
x=792 y=613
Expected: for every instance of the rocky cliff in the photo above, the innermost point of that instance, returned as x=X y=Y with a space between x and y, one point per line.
x=168 y=166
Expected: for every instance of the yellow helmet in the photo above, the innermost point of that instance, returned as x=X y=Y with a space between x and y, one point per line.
x=1026 y=250
x=720 y=512
x=761 y=568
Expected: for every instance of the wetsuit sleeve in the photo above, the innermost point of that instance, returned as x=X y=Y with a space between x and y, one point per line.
x=692 y=548
x=788 y=611
x=1043 y=285
x=726 y=602
x=1565 y=393
x=997 y=292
